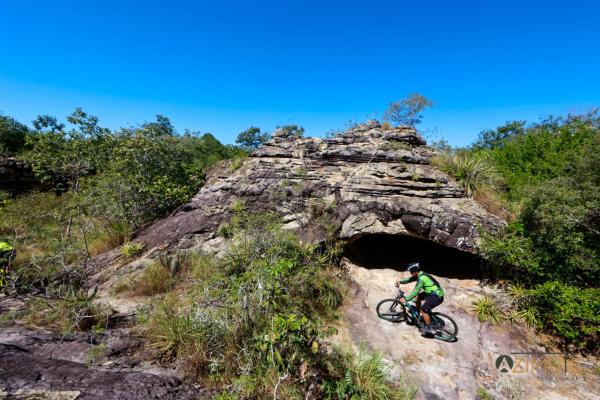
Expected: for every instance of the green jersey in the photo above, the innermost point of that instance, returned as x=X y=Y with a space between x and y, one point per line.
x=5 y=247
x=425 y=283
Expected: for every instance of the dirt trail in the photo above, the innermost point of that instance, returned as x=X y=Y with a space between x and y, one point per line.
x=457 y=370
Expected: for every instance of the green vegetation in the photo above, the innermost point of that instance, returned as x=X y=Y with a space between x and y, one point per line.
x=265 y=307
x=252 y=138
x=106 y=184
x=407 y=111
x=550 y=174
x=12 y=135
x=474 y=171
x=482 y=394
x=131 y=250
x=487 y=310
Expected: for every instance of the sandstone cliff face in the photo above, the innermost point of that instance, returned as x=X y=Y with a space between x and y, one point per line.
x=366 y=180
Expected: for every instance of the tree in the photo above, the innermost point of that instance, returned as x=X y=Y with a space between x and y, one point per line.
x=162 y=127
x=12 y=135
x=408 y=110
x=292 y=130
x=490 y=139
x=252 y=138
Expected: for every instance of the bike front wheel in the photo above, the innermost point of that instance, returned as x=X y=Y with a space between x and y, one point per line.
x=446 y=328
x=391 y=310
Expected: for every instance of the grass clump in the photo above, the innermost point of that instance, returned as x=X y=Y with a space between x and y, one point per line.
x=74 y=312
x=487 y=310
x=130 y=250
x=482 y=394
x=154 y=279
x=474 y=171
x=365 y=376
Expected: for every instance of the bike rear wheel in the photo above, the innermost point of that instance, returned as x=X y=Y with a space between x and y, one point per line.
x=446 y=328
x=391 y=310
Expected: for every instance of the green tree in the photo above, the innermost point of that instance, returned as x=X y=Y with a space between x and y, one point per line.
x=490 y=139
x=252 y=138
x=408 y=110
x=62 y=156
x=12 y=135
x=147 y=177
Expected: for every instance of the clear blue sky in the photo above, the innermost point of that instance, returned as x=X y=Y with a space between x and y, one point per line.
x=221 y=66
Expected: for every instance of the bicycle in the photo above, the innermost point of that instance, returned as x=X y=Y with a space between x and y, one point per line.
x=394 y=310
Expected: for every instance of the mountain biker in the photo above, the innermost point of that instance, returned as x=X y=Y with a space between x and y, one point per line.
x=7 y=253
x=431 y=296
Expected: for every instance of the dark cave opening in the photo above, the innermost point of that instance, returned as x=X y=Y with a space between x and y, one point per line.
x=375 y=251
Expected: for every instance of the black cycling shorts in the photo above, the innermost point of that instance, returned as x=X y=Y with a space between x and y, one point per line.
x=430 y=301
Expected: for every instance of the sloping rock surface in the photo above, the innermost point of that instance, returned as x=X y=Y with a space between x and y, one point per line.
x=38 y=365
x=367 y=180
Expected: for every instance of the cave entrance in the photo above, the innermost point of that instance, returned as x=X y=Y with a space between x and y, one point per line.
x=378 y=251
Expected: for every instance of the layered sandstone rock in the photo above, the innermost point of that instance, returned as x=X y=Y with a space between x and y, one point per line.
x=367 y=180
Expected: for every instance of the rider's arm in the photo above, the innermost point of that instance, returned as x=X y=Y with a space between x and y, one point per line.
x=416 y=290
x=407 y=280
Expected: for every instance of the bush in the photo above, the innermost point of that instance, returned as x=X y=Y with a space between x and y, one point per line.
x=473 y=171
x=74 y=312
x=364 y=376
x=12 y=135
x=154 y=279
x=570 y=313
x=487 y=310
x=130 y=250
x=263 y=308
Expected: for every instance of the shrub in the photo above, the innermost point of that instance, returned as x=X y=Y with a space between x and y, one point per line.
x=570 y=313
x=154 y=279
x=12 y=135
x=482 y=394
x=263 y=308
x=487 y=310
x=131 y=250
x=473 y=171
x=364 y=376
x=74 y=312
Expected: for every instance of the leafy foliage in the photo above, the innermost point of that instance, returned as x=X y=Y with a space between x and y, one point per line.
x=552 y=175
x=408 y=110
x=473 y=171
x=12 y=135
x=570 y=313
x=252 y=138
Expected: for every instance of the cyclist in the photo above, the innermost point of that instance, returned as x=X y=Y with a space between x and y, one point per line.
x=7 y=253
x=428 y=291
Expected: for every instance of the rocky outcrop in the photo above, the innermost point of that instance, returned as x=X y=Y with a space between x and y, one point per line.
x=366 y=180
x=17 y=177
x=40 y=365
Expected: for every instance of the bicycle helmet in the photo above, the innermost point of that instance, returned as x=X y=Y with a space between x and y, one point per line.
x=413 y=267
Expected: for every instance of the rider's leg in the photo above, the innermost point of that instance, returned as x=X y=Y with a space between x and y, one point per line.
x=426 y=317
x=430 y=302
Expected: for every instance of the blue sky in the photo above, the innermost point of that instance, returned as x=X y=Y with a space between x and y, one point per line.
x=221 y=66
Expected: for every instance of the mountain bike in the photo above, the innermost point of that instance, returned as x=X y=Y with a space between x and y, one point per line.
x=394 y=310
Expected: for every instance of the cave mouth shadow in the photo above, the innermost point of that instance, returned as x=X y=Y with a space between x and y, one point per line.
x=378 y=251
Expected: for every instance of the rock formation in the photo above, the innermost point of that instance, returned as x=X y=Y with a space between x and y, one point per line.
x=367 y=180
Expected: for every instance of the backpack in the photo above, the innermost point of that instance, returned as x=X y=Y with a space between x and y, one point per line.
x=433 y=280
